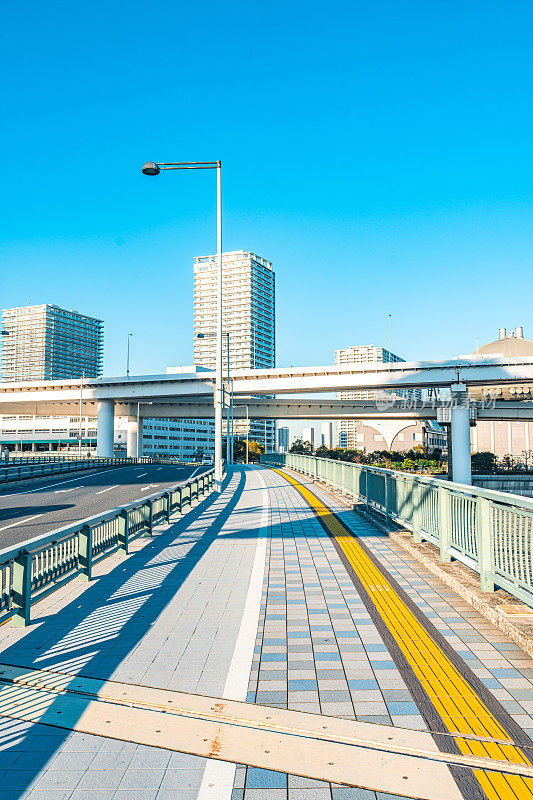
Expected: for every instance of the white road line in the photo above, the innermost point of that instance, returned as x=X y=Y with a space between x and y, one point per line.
x=141 y=475
x=108 y=489
x=51 y=485
x=20 y=522
x=64 y=491
x=219 y=776
x=193 y=473
x=151 y=486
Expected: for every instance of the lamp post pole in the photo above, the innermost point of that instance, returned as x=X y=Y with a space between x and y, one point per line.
x=228 y=432
x=128 y=356
x=247 y=433
x=81 y=418
x=153 y=168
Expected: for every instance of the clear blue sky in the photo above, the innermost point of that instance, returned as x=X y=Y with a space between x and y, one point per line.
x=380 y=154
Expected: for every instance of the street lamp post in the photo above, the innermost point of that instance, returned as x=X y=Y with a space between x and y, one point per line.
x=128 y=356
x=80 y=432
x=152 y=168
x=247 y=433
x=229 y=401
x=139 y=404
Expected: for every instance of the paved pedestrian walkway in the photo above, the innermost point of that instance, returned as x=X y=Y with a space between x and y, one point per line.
x=248 y=597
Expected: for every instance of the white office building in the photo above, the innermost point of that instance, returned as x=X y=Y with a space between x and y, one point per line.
x=308 y=435
x=348 y=433
x=248 y=316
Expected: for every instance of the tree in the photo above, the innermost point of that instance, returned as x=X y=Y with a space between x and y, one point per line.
x=303 y=448
x=483 y=463
x=508 y=462
x=527 y=458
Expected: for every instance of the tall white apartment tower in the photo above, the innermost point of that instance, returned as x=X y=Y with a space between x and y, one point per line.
x=359 y=354
x=248 y=316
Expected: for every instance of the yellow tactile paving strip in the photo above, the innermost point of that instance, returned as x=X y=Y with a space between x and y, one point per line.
x=456 y=702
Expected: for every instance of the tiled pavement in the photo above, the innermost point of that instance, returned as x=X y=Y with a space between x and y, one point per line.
x=172 y=619
x=318 y=650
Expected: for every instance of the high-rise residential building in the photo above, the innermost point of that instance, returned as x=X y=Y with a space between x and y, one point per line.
x=248 y=316
x=50 y=343
x=349 y=432
x=46 y=342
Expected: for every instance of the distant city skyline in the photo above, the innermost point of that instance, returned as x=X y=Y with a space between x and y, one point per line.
x=388 y=169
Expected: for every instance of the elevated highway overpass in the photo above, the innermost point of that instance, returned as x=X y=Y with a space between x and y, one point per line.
x=183 y=394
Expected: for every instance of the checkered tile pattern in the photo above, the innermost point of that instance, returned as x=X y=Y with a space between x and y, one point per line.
x=318 y=650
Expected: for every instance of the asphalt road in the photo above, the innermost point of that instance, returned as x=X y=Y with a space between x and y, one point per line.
x=30 y=510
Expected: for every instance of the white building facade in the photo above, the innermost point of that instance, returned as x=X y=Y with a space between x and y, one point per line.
x=351 y=433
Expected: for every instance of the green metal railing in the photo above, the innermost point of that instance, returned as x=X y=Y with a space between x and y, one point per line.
x=29 y=468
x=11 y=472
x=491 y=532
x=33 y=569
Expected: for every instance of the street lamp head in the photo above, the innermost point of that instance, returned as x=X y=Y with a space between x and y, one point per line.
x=150 y=168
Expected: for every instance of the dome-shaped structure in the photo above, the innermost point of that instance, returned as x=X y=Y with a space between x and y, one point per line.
x=512 y=344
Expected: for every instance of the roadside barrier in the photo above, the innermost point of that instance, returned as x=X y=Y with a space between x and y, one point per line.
x=31 y=570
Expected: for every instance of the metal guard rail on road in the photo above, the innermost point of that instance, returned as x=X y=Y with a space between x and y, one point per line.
x=17 y=472
x=29 y=469
x=37 y=567
x=489 y=531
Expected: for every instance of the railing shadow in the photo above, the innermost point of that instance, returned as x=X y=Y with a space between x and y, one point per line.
x=97 y=630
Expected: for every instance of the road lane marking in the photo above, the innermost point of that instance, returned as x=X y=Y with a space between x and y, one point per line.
x=20 y=522
x=141 y=475
x=64 y=491
x=151 y=486
x=108 y=488
x=454 y=699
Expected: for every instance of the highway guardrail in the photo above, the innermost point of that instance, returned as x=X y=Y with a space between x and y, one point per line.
x=489 y=531
x=32 y=569
x=16 y=472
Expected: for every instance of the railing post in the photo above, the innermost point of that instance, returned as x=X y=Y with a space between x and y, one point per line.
x=485 y=538
x=367 y=492
x=85 y=553
x=180 y=490
x=444 y=524
x=388 y=495
x=123 y=532
x=168 y=496
x=148 y=511
x=22 y=590
x=417 y=511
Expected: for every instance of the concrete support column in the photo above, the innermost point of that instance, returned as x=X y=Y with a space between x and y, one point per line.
x=460 y=428
x=133 y=432
x=105 y=433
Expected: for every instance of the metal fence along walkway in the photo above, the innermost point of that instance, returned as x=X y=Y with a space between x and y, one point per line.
x=30 y=571
x=491 y=532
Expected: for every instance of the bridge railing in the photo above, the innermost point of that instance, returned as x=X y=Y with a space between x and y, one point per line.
x=489 y=531
x=15 y=472
x=31 y=570
x=10 y=471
